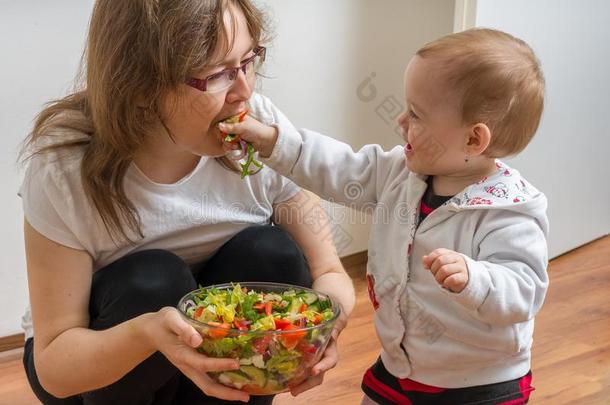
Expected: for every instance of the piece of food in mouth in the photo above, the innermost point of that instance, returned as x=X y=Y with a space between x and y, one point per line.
x=277 y=336
x=233 y=138
x=247 y=150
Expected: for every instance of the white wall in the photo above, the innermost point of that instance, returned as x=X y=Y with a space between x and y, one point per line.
x=322 y=53
x=326 y=50
x=568 y=158
x=40 y=45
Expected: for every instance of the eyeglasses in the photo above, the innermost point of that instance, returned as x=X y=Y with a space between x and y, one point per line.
x=223 y=80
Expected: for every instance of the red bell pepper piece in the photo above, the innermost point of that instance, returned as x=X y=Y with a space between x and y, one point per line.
x=261 y=345
x=220 y=330
x=240 y=324
x=291 y=339
x=243 y=115
x=281 y=324
x=307 y=347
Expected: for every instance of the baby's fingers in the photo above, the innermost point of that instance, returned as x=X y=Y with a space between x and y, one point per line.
x=428 y=259
x=446 y=271
x=237 y=128
x=456 y=282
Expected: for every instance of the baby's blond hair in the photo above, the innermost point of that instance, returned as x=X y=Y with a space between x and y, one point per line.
x=498 y=81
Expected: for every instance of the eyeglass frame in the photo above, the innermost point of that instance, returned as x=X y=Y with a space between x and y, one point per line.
x=202 y=84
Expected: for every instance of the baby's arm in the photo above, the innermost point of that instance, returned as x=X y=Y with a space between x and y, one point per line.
x=327 y=167
x=507 y=280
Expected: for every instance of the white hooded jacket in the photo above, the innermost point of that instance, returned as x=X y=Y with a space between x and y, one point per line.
x=482 y=335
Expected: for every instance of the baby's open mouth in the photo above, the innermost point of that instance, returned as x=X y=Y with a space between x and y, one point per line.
x=408 y=147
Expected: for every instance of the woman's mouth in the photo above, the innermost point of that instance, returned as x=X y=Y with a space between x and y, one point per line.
x=408 y=149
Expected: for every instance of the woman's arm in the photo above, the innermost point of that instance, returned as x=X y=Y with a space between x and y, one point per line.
x=70 y=358
x=306 y=221
x=59 y=280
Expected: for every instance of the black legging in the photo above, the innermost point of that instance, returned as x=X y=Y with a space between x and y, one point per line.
x=148 y=280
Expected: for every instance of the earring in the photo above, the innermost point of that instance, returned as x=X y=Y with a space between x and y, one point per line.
x=466 y=159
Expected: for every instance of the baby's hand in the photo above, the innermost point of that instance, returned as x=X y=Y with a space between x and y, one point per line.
x=448 y=268
x=261 y=136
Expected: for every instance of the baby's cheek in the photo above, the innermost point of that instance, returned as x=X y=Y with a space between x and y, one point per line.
x=416 y=134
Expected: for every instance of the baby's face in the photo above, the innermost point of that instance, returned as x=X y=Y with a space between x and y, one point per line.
x=431 y=125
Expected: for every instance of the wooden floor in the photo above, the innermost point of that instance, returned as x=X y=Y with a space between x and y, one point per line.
x=571 y=360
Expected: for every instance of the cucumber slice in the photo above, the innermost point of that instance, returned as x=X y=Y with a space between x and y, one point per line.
x=258 y=361
x=295 y=305
x=272 y=297
x=234 y=378
x=258 y=376
x=309 y=298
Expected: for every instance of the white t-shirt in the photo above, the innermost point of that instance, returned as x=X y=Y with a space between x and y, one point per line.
x=192 y=217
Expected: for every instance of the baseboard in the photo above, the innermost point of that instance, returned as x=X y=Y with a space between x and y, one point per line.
x=354 y=259
x=567 y=252
x=12 y=342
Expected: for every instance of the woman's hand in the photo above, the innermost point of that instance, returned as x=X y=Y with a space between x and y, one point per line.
x=261 y=136
x=329 y=359
x=177 y=340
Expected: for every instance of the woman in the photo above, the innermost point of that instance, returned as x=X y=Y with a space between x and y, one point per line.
x=130 y=203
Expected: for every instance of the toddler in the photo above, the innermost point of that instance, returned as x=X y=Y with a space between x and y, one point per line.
x=457 y=251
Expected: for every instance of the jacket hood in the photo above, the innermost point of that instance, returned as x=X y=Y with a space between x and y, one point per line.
x=505 y=189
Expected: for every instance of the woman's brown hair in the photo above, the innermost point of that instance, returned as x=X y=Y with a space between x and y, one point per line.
x=137 y=52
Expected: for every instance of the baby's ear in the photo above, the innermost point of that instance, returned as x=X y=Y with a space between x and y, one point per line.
x=478 y=139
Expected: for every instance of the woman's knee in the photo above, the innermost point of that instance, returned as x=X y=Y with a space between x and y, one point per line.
x=261 y=253
x=141 y=282
x=32 y=377
x=274 y=245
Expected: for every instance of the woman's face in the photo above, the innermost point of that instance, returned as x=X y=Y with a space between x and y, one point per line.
x=192 y=115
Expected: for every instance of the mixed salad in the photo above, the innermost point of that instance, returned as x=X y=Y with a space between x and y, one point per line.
x=277 y=336
x=247 y=150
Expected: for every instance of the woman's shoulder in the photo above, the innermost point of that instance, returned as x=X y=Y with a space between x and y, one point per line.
x=60 y=144
x=53 y=162
x=52 y=194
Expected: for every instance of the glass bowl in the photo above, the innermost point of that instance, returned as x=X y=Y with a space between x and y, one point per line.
x=271 y=361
